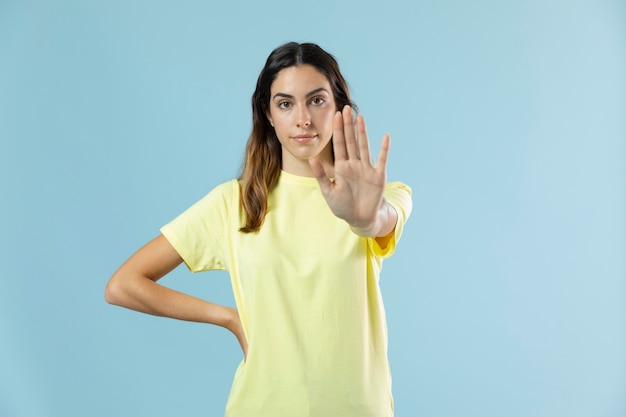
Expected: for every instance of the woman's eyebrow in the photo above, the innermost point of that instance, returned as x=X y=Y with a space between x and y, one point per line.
x=317 y=90
x=309 y=94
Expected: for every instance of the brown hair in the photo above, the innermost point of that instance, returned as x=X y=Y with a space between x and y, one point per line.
x=263 y=158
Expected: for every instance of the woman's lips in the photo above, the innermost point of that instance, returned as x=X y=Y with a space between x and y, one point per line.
x=304 y=138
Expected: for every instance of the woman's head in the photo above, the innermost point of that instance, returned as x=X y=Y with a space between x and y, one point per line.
x=295 y=54
x=263 y=159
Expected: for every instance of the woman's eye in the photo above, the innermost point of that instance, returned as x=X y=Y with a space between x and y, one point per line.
x=318 y=100
x=284 y=105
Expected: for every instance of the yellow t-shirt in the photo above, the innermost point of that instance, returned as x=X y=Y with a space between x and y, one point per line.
x=306 y=288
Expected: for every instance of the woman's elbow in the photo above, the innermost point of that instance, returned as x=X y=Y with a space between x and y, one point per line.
x=113 y=293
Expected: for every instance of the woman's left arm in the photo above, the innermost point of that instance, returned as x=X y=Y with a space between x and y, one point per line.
x=355 y=194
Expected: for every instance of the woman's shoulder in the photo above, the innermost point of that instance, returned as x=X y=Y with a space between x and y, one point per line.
x=229 y=187
x=224 y=191
x=398 y=190
x=399 y=195
x=400 y=186
x=222 y=195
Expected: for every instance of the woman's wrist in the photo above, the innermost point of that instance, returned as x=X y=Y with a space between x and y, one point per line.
x=231 y=319
x=236 y=328
x=382 y=225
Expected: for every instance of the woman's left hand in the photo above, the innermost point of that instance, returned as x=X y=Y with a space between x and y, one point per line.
x=355 y=194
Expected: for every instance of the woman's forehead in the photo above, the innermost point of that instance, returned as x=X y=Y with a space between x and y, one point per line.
x=299 y=80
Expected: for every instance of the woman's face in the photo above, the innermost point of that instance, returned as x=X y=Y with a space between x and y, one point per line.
x=301 y=110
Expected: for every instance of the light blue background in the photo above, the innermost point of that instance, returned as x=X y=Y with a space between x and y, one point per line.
x=507 y=295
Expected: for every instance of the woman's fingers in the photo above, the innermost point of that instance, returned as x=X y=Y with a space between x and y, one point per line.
x=383 y=154
x=339 y=143
x=349 y=133
x=320 y=173
x=364 y=146
x=350 y=139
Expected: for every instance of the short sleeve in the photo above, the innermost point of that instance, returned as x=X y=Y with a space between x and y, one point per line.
x=398 y=195
x=199 y=234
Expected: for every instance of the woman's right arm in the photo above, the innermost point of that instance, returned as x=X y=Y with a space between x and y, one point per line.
x=134 y=286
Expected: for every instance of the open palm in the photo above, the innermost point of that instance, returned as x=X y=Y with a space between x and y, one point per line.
x=355 y=194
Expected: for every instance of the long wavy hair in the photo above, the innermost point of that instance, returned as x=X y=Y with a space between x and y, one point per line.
x=263 y=158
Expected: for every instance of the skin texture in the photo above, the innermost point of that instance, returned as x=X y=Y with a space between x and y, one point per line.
x=134 y=286
x=305 y=118
x=301 y=111
x=355 y=194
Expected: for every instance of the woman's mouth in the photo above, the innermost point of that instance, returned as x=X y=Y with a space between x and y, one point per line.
x=303 y=138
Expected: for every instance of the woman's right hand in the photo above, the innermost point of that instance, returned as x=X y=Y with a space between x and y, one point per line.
x=236 y=328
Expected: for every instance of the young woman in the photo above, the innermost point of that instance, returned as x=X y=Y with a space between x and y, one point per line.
x=303 y=233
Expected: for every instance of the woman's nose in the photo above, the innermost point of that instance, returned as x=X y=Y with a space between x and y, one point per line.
x=304 y=117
